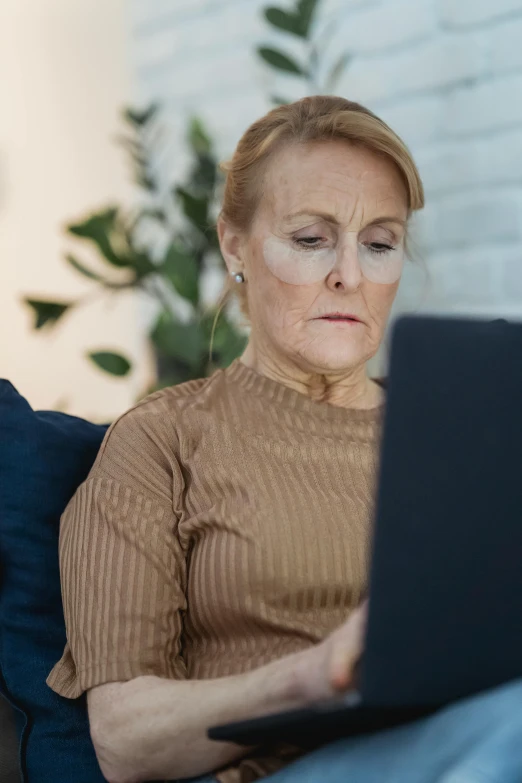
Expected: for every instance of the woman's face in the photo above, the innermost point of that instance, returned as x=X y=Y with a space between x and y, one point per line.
x=327 y=238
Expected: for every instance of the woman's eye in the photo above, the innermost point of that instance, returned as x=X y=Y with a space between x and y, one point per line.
x=308 y=241
x=379 y=248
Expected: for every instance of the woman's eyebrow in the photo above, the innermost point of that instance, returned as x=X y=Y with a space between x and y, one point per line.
x=312 y=213
x=387 y=219
x=329 y=218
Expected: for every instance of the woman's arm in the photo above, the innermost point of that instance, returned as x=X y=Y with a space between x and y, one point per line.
x=150 y=728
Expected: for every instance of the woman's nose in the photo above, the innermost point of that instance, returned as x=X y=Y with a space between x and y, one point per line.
x=346 y=273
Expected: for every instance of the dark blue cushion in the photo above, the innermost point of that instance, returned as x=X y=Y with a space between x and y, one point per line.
x=44 y=456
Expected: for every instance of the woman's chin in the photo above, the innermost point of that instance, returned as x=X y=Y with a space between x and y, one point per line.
x=336 y=360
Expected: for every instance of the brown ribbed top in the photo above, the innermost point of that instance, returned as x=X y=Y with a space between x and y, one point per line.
x=225 y=523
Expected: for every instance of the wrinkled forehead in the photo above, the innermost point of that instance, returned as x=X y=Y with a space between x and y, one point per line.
x=338 y=178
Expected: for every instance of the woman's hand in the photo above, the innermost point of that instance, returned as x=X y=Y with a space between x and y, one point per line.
x=326 y=670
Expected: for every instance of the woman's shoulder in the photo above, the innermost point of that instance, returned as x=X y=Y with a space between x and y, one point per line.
x=141 y=447
x=158 y=417
x=174 y=400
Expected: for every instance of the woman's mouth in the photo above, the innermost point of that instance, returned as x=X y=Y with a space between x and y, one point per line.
x=340 y=318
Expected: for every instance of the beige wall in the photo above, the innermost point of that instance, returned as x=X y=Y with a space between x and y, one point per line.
x=63 y=80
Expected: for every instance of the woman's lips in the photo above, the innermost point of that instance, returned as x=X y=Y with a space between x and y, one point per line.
x=339 y=318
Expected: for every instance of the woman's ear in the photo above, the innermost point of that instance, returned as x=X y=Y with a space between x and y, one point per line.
x=231 y=246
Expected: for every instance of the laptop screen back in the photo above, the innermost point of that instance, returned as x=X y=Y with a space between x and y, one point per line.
x=446 y=577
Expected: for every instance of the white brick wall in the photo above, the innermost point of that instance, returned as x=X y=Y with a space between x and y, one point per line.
x=461 y=13
x=445 y=74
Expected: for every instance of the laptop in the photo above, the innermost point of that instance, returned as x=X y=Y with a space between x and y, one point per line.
x=445 y=584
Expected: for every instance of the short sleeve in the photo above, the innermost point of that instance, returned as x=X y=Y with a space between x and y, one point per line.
x=122 y=567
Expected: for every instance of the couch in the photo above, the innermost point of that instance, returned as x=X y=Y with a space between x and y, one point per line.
x=44 y=456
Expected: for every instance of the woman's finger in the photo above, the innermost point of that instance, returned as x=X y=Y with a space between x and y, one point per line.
x=344 y=655
x=341 y=665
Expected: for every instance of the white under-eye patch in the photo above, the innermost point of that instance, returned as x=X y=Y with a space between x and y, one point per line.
x=381 y=267
x=298 y=265
x=308 y=265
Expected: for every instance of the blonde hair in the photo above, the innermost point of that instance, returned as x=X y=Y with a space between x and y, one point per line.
x=317 y=118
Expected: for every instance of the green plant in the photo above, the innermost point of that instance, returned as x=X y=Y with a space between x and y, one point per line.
x=171 y=269
x=300 y=21
x=184 y=230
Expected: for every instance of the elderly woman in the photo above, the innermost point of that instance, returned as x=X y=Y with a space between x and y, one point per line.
x=214 y=560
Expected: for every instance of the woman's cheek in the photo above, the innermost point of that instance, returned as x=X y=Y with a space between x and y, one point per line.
x=379 y=300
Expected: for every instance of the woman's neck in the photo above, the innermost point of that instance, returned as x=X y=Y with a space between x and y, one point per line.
x=348 y=389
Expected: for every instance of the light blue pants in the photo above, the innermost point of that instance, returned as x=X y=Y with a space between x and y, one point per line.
x=478 y=740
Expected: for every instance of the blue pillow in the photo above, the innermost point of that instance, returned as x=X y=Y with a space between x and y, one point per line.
x=44 y=456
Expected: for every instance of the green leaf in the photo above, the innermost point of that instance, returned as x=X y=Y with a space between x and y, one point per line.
x=142 y=169
x=142 y=264
x=195 y=209
x=182 y=341
x=289 y=22
x=198 y=138
x=99 y=229
x=83 y=270
x=306 y=10
x=204 y=174
x=182 y=270
x=336 y=70
x=112 y=363
x=280 y=61
x=278 y=100
x=140 y=118
x=47 y=313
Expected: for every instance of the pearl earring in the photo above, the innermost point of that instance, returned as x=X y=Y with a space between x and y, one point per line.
x=239 y=277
